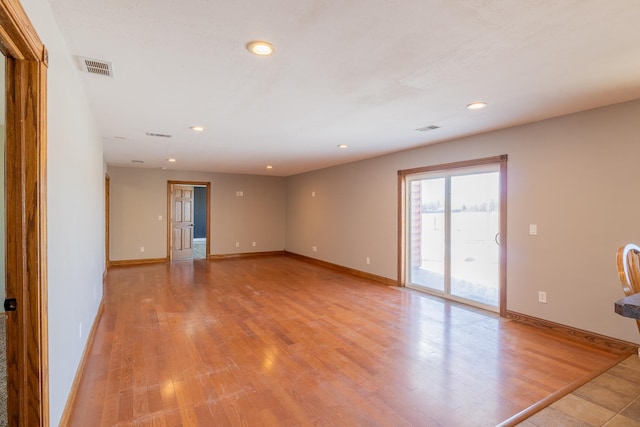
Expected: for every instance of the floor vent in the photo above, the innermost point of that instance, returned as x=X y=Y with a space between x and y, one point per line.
x=96 y=66
x=428 y=128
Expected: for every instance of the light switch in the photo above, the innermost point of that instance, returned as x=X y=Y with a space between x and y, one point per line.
x=533 y=229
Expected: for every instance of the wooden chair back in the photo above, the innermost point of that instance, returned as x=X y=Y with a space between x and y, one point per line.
x=629 y=268
x=628 y=260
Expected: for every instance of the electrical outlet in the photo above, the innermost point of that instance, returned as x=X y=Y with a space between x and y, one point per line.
x=237 y=244
x=253 y=244
x=542 y=297
x=141 y=248
x=313 y=194
x=368 y=260
x=314 y=248
x=533 y=229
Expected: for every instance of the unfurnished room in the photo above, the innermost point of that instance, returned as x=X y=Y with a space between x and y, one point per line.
x=293 y=213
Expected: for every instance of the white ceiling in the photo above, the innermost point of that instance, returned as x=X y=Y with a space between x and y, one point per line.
x=363 y=73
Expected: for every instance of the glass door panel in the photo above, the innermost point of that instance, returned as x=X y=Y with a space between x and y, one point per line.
x=475 y=226
x=427 y=233
x=453 y=225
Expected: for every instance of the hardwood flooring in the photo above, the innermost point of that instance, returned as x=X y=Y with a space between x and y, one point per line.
x=274 y=341
x=612 y=399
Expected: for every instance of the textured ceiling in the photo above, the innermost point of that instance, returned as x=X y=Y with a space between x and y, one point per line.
x=362 y=73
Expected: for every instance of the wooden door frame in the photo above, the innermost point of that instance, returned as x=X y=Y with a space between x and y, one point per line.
x=107 y=201
x=501 y=161
x=26 y=221
x=170 y=210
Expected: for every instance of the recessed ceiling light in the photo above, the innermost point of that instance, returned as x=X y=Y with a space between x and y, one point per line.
x=269 y=167
x=260 y=47
x=171 y=160
x=197 y=128
x=343 y=146
x=476 y=105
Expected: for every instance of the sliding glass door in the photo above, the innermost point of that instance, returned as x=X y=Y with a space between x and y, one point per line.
x=453 y=234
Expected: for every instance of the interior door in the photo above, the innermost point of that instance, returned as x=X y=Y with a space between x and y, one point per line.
x=182 y=222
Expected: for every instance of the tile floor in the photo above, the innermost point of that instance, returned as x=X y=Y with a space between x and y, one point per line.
x=611 y=399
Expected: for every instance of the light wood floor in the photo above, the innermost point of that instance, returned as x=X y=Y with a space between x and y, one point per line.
x=278 y=342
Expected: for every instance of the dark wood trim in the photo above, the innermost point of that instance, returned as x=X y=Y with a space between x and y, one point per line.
x=138 y=261
x=500 y=160
x=402 y=236
x=206 y=184
x=168 y=218
x=26 y=237
x=208 y=217
x=343 y=269
x=19 y=39
x=104 y=281
x=591 y=338
x=107 y=201
x=66 y=414
x=244 y=255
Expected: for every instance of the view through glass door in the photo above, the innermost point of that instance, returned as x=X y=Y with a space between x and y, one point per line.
x=453 y=234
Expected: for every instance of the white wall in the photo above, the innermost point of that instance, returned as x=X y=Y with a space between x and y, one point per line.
x=75 y=211
x=575 y=176
x=138 y=197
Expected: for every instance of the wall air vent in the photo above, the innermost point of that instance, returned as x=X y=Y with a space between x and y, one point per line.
x=158 y=135
x=428 y=128
x=96 y=66
x=137 y=161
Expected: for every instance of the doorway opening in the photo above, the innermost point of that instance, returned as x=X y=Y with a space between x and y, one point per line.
x=188 y=220
x=454 y=231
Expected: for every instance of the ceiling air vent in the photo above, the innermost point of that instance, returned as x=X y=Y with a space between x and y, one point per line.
x=428 y=128
x=159 y=135
x=96 y=66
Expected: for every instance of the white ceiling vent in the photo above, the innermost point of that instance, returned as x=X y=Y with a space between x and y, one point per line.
x=96 y=66
x=428 y=128
x=159 y=135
